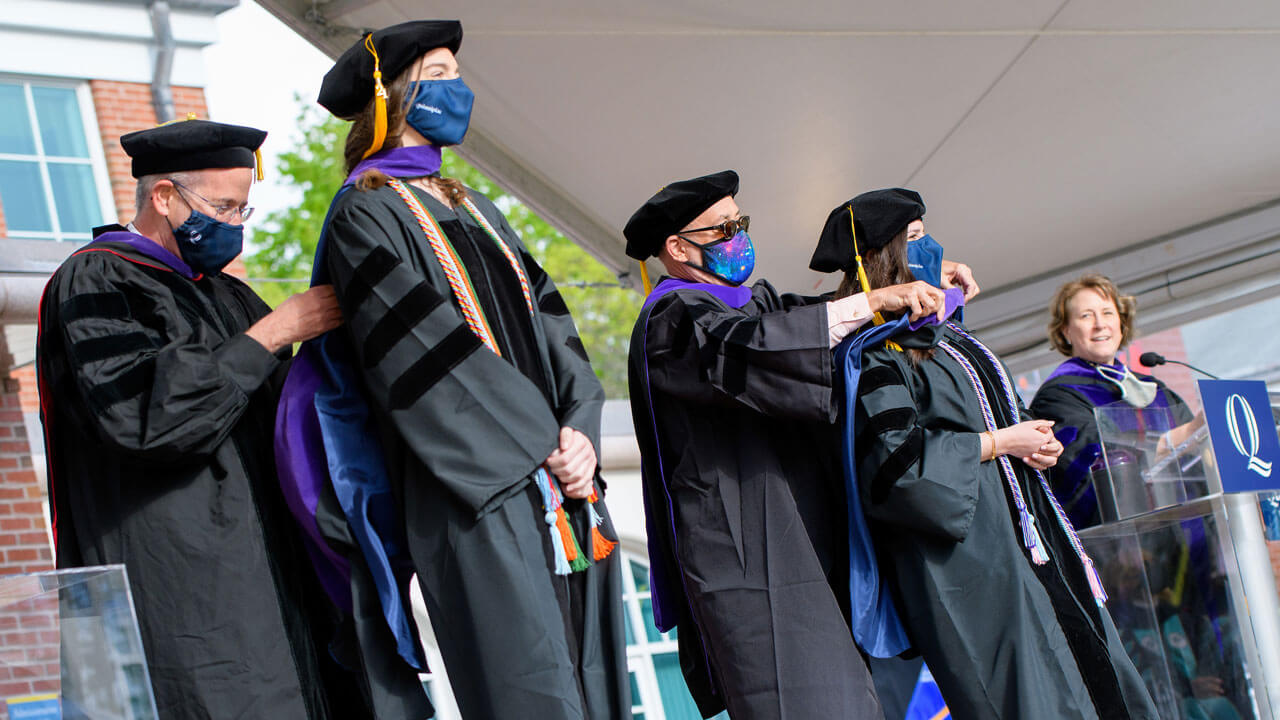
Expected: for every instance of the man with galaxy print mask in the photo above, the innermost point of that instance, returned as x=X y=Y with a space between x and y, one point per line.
x=731 y=392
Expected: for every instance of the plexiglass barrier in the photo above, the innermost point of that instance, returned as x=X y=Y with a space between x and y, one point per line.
x=71 y=649
x=1186 y=568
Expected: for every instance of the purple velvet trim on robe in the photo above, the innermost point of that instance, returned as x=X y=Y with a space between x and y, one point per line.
x=733 y=296
x=415 y=161
x=150 y=248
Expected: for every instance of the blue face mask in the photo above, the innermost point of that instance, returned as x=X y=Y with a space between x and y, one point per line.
x=207 y=245
x=731 y=259
x=924 y=259
x=441 y=110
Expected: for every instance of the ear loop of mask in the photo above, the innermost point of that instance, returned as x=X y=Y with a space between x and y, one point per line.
x=380 y=101
x=877 y=319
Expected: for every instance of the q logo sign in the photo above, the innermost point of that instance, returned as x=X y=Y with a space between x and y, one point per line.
x=1244 y=433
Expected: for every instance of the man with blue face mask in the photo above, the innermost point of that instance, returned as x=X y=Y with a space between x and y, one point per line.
x=732 y=397
x=158 y=375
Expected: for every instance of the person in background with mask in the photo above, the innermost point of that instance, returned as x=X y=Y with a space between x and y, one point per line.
x=483 y=409
x=731 y=393
x=1089 y=322
x=158 y=374
x=992 y=584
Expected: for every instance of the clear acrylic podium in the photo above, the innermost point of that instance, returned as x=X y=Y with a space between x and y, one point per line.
x=1187 y=569
x=70 y=648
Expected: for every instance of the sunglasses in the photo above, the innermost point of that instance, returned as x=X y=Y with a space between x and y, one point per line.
x=728 y=228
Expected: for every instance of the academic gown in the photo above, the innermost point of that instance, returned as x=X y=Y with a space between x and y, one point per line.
x=1068 y=398
x=463 y=430
x=1005 y=639
x=157 y=411
x=733 y=408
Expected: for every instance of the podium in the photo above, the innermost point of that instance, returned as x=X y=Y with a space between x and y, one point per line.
x=1183 y=555
x=70 y=648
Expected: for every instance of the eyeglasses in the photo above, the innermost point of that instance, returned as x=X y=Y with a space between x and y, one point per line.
x=220 y=212
x=728 y=228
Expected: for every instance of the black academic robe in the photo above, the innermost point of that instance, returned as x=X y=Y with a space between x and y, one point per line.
x=463 y=429
x=158 y=411
x=1005 y=639
x=1068 y=398
x=733 y=412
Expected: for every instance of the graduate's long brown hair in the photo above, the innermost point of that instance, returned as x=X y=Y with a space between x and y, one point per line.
x=361 y=136
x=885 y=266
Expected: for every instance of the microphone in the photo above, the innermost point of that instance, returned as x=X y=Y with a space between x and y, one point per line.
x=1152 y=359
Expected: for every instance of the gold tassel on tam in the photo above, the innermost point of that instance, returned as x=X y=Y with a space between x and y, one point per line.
x=380 y=101
x=864 y=282
x=644 y=279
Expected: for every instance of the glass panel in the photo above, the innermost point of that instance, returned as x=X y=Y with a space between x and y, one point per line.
x=676 y=701
x=75 y=197
x=82 y=647
x=15 y=125
x=650 y=630
x=641 y=575
x=22 y=196
x=58 y=115
x=1169 y=596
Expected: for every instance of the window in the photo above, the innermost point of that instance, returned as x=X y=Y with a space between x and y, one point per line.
x=658 y=691
x=53 y=183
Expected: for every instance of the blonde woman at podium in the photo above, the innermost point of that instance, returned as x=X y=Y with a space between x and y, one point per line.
x=1090 y=322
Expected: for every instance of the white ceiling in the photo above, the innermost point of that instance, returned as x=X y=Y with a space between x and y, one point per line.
x=1042 y=134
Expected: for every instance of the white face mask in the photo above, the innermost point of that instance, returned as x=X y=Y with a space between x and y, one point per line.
x=1135 y=392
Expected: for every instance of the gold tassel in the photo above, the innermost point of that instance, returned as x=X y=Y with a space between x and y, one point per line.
x=644 y=278
x=864 y=281
x=380 y=101
x=257 y=163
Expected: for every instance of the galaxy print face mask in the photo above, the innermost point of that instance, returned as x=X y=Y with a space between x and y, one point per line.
x=731 y=259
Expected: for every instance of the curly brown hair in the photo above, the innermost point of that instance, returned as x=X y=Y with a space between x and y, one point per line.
x=1126 y=306
x=360 y=137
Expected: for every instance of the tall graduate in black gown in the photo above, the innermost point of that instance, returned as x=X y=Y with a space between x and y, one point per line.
x=987 y=574
x=158 y=375
x=731 y=392
x=478 y=385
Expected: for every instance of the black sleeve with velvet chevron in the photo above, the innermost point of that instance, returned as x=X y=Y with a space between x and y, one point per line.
x=763 y=358
x=579 y=395
x=158 y=377
x=472 y=419
x=914 y=470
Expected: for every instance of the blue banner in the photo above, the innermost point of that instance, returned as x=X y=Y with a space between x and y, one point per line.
x=1243 y=432
x=926 y=701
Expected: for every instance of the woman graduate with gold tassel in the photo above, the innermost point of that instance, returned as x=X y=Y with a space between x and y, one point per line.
x=988 y=576
x=481 y=397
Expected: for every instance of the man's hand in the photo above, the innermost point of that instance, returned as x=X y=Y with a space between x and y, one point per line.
x=959 y=275
x=919 y=297
x=573 y=463
x=300 y=317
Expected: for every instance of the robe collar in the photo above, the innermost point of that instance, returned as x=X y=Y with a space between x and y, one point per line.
x=731 y=295
x=143 y=245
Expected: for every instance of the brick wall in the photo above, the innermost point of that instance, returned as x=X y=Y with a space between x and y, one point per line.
x=123 y=107
x=1169 y=344
x=24 y=539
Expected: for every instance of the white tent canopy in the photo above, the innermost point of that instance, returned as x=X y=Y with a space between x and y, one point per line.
x=1047 y=136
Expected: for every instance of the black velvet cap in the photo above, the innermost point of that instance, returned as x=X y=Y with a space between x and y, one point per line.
x=879 y=216
x=348 y=86
x=673 y=207
x=191 y=145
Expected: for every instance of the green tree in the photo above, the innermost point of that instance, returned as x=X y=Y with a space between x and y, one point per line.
x=285 y=243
